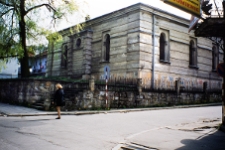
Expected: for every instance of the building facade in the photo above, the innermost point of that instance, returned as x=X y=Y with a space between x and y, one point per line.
x=10 y=69
x=139 y=41
x=38 y=64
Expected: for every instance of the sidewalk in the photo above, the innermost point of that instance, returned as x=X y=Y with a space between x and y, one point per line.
x=167 y=138
x=14 y=110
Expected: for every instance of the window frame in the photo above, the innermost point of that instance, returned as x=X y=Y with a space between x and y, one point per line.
x=215 y=57
x=105 y=48
x=193 y=55
x=64 y=56
x=164 y=49
x=78 y=43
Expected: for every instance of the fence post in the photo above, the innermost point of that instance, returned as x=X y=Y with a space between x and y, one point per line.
x=177 y=84
x=139 y=85
x=205 y=87
x=205 y=91
x=92 y=84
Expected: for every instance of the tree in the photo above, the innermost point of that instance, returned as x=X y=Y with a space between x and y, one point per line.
x=213 y=12
x=19 y=26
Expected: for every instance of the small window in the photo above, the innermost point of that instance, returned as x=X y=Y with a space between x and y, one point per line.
x=78 y=43
x=215 y=58
x=106 y=48
x=192 y=55
x=164 y=48
x=64 y=56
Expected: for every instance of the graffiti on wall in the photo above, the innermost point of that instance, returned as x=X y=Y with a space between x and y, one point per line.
x=39 y=66
x=168 y=82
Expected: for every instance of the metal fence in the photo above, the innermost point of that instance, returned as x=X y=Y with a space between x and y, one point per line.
x=117 y=84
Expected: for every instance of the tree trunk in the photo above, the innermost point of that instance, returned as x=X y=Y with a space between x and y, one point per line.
x=22 y=25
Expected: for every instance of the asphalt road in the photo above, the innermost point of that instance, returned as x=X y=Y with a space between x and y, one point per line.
x=183 y=128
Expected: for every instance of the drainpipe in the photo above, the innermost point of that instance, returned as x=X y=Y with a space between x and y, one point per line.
x=52 y=57
x=153 y=51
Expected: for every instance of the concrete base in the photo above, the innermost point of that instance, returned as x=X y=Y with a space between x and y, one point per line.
x=85 y=77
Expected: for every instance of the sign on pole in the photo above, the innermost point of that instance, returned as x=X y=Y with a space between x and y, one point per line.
x=106 y=72
x=190 y=6
x=106 y=76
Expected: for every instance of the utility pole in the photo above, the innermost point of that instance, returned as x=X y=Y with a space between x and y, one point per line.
x=223 y=86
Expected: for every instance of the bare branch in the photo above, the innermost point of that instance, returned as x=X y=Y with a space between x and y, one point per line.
x=217 y=8
x=38 y=6
x=3 y=57
x=219 y=41
x=6 y=12
x=11 y=27
x=3 y=2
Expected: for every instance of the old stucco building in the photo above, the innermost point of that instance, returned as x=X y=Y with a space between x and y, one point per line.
x=138 y=41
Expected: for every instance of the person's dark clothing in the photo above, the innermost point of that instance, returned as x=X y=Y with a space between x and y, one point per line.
x=59 y=97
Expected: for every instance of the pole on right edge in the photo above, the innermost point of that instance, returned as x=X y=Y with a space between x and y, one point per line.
x=223 y=97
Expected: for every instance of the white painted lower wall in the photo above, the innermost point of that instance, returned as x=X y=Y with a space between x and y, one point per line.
x=10 y=70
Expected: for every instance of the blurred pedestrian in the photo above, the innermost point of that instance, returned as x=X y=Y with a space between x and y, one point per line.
x=59 y=99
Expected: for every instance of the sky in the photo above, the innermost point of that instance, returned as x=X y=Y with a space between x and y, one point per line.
x=100 y=7
x=96 y=8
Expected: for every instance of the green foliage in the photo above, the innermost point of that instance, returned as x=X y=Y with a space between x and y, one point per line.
x=8 y=46
x=76 y=28
x=2 y=64
x=13 y=31
x=55 y=37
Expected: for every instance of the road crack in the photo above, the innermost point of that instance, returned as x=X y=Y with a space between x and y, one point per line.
x=38 y=136
x=10 y=127
x=26 y=133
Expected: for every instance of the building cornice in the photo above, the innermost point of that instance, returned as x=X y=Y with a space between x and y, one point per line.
x=139 y=7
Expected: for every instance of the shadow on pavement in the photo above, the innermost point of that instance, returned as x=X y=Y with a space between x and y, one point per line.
x=211 y=141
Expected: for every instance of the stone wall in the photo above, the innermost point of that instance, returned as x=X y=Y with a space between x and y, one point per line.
x=92 y=95
x=26 y=92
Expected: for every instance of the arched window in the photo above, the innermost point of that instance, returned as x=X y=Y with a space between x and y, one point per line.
x=193 y=54
x=215 y=58
x=64 y=56
x=107 y=47
x=164 y=48
x=78 y=42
